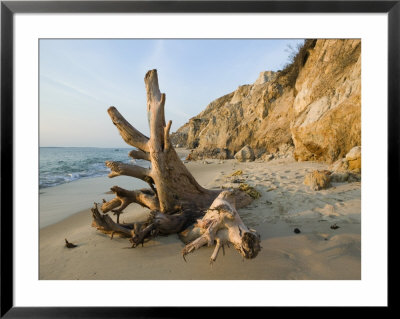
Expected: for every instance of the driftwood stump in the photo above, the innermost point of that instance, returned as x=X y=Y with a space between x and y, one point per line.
x=175 y=198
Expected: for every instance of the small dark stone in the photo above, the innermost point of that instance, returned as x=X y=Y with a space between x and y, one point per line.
x=69 y=245
x=297 y=231
x=334 y=226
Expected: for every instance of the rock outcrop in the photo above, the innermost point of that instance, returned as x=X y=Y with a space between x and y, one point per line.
x=311 y=109
x=327 y=107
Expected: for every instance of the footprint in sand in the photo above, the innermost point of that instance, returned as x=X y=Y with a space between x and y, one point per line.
x=287 y=254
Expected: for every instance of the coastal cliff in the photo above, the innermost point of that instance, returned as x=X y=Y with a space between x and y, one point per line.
x=311 y=110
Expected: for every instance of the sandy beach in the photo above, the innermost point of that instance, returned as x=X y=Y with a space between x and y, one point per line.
x=317 y=252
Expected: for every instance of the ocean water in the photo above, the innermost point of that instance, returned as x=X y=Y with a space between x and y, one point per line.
x=60 y=165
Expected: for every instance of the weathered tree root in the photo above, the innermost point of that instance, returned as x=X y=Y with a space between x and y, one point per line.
x=156 y=224
x=222 y=225
x=105 y=224
x=175 y=198
x=144 y=197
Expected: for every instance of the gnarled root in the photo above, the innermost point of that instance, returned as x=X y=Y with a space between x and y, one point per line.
x=222 y=225
x=137 y=232
x=105 y=224
x=145 y=197
x=142 y=234
x=157 y=224
x=162 y=224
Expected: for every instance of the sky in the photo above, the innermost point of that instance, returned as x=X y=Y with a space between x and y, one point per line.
x=80 y=78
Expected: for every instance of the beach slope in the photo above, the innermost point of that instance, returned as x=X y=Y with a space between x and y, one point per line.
x=316 y=252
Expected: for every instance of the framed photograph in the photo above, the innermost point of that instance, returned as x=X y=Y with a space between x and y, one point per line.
x=159 y=155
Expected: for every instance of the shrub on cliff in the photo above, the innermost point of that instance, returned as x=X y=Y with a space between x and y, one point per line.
x=297 y=59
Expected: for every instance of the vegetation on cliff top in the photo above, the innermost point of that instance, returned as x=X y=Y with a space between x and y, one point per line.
x=297 y=59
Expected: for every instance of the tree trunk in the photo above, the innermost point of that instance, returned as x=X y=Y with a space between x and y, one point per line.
x=175 y=198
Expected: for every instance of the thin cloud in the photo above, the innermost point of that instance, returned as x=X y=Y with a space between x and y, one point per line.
x=65 y=85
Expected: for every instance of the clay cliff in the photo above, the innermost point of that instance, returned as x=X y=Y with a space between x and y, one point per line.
x=310 y=110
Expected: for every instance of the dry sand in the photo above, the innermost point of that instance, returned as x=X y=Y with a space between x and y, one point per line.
x=318 y=252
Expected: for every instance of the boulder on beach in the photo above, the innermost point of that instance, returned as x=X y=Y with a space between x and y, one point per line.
x=246 y=154
x=354 y=159
x=341 y=165
x=318 y=179
x=351 y=162
x=342 y=177
x=218 y=153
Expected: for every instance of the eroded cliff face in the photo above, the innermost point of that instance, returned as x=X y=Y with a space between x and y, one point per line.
x=316 y=115
x=327 y=107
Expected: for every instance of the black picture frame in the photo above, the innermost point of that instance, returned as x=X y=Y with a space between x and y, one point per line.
x=9 y=8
